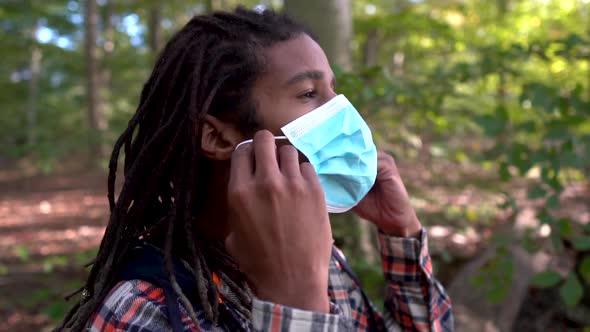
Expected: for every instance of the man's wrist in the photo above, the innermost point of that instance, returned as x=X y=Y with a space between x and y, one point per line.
x=409 y=230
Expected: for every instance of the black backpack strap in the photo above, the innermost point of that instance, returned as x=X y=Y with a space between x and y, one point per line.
x=146 y=262
x=373 y=321
x=174 y=315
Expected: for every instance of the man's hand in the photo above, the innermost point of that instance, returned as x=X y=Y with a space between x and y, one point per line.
x=280 y=231
x=387 y=205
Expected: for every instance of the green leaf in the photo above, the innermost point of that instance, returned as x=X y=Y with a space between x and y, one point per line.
x=497 y=293
x=529 y=242
x=537 y=192
x=540 y=95
x=557 y=133
x=572 y=159
x=491 y=125
x=571 y=291
x=546 y=218
x=582 y=243
x=545 y=279
x=585 y=269
x=555 y=183
x=504 y=172
x=22 y=252
x=565 y=227
x=528 y=126
x=520 y=156
x=552 y=202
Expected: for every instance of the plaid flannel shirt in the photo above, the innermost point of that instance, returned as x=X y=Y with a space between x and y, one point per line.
x=415 y=301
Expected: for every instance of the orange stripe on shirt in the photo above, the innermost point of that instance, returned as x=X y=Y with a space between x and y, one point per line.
x=130 y=313
x=276 y=319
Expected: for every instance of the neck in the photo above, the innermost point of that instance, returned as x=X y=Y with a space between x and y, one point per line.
x=211 y=218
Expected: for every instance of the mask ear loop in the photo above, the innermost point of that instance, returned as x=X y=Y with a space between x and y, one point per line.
x=249 y=141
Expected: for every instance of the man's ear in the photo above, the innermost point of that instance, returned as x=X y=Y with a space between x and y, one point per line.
x=219 y=138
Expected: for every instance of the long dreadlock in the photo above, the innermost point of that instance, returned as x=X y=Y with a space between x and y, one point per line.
x=208 y=67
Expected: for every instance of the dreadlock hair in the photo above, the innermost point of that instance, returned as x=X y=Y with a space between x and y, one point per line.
x=208 y=67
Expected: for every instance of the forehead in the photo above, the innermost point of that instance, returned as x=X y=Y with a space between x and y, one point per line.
x=286 y=59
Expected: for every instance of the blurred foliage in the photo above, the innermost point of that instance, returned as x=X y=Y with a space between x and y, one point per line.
x=504 y=82
x=500 y=85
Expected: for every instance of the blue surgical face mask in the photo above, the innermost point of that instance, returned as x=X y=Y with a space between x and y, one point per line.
x=338 y=143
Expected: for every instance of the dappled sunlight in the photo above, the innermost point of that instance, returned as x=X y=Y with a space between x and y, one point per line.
x=437 y=231
x=48 y=222
x=15 y=318
x=46 y=226
x=51 y=223
x=51 y=242
x=44 y=208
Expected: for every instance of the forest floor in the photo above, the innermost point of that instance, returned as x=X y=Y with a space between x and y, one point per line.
x=51 y=225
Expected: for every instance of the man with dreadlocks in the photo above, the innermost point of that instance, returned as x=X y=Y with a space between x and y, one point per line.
x=217 y=229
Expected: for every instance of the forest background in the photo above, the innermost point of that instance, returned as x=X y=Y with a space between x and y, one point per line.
x=484 y=104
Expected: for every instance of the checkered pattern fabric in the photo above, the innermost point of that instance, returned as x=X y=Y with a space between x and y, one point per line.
x=415 y=301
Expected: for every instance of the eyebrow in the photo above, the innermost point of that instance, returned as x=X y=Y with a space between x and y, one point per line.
x=313 y=75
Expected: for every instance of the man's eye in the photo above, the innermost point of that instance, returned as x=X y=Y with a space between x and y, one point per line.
x=308 y=94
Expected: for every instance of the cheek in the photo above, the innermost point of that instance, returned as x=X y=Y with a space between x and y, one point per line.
x=277 y=115
x=273 y=124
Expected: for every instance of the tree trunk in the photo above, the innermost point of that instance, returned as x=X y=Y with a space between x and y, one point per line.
x=108 y=47
x=35 y=68
x=399 y=57
x=155 y=32
x=371 y=49
x=96 y=120
x=331 y=22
